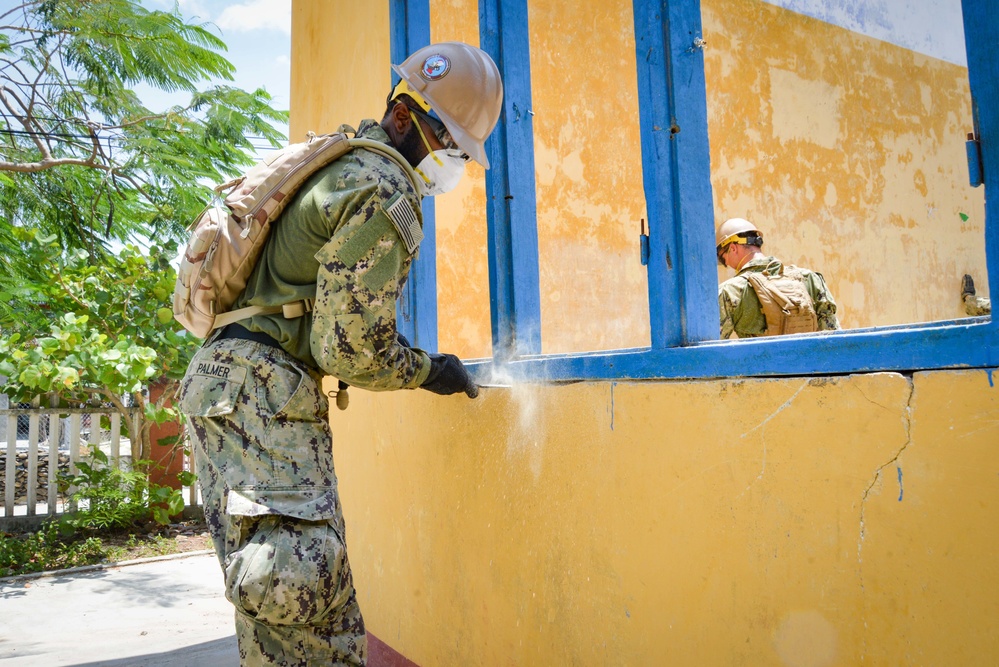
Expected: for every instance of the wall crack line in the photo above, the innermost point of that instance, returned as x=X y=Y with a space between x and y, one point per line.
x=907 y=423
x=776 y=412
x=872 y=401
x=763 y=437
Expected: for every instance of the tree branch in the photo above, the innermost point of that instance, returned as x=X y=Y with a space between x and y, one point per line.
x=51 y=163
x=17 y=8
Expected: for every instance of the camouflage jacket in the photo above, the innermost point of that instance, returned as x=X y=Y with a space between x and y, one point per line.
x=337 y=242
x=740 y=310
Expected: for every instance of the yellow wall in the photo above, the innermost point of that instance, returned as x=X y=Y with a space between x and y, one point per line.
x=590 y=199
x=588 y=174
x=339 y=64
x=802 y=522
x=848 y=152
x=764 y=523
x=462 y=261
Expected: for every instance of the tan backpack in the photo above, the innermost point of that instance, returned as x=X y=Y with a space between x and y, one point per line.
x=787 y=305
x=228 y=236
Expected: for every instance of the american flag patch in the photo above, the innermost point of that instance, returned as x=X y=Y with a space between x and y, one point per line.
x=402 y=215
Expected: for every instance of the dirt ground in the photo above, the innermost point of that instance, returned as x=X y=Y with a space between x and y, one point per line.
x=173 y=539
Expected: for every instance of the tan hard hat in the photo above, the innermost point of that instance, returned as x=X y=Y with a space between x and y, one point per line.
x=462 y=85
x=733 y=228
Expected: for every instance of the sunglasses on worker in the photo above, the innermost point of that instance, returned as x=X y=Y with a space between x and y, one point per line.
x=442 y=134
x=721 y=250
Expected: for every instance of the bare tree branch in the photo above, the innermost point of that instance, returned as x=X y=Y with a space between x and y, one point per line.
x=18 y=8
x=50 y=163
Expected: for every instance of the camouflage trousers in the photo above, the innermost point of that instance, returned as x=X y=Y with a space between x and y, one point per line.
x=264 y=459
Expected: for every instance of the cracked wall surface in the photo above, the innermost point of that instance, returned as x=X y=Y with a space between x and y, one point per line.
x=930 y=545
x=799 y=521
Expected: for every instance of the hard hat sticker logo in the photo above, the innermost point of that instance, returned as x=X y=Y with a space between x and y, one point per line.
x=435 y=67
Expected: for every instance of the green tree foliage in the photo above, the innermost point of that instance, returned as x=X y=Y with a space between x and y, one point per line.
x=86 y=171
x=81 y=157
x=97 y=332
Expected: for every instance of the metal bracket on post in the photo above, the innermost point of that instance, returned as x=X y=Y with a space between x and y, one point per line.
x=974 y=149
x=643 y=245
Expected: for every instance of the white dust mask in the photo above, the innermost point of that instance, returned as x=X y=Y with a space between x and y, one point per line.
x=440 y=172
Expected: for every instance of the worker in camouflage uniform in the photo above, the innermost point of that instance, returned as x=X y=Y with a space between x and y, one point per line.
x=258 y=419
x=739 y=246
x=974 y=305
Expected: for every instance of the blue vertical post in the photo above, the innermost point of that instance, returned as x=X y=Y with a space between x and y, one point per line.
x=676 y=172
x=515 y=303
x=981 y=27
x=409 y=27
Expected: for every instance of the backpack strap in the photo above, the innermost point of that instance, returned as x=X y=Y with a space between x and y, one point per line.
x=300 y=308
x=289 y=310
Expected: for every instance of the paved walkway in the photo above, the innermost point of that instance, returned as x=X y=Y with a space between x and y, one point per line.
x=165 y=613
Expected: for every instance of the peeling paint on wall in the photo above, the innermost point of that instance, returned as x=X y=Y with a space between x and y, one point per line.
x=848 y=153
x=590 y=196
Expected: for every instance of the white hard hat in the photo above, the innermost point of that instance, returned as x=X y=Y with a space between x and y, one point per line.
x=462 y=85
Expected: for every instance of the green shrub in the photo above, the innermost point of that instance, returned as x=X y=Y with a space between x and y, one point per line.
x=111 y=501
x=110 y=497
x=47 y=549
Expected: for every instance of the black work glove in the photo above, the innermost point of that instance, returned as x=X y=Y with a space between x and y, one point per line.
x=402 y=340
x=448 y=376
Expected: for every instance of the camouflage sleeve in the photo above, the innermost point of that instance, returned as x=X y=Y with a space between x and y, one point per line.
x=726 y=310
x=362 y=270
x=825 y=307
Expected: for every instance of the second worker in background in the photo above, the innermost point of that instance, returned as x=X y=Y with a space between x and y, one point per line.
x=767 y=297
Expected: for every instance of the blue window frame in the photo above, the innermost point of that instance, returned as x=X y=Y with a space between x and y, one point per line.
x=409 y=22
x=682 y=278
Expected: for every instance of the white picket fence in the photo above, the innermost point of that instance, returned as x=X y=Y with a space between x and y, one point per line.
x=52 y=433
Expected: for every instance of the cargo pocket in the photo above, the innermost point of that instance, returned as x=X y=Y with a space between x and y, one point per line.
x=210 y=389
x=290 y=392
x=285 y=562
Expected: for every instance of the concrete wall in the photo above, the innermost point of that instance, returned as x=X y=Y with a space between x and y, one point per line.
x=588 y=176
x=826 y=521
x=339 y=64
x=462 y=262
x=594 y=289
x=797 y=521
